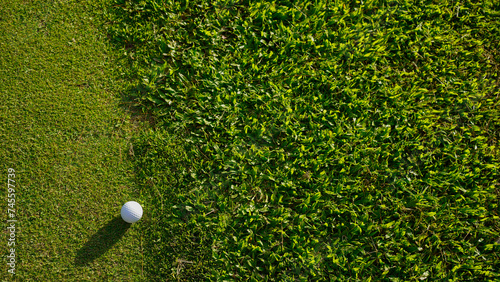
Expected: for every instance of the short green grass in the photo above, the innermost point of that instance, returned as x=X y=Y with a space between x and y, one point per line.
x=63 y=131
x=317 y=140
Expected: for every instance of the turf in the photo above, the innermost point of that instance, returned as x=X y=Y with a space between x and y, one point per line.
x=292 y=141
x=64 y=132
x=317 y=140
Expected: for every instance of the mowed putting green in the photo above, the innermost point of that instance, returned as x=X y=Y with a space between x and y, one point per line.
x=64 y=133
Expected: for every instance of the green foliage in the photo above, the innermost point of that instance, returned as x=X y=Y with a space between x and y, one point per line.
x=313 y=140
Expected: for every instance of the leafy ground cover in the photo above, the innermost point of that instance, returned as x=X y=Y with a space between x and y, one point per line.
x=68 y=140
x=317 y=140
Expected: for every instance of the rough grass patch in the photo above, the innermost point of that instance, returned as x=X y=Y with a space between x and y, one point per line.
x=348 y=140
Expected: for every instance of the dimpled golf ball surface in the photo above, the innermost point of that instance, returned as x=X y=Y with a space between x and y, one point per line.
x=131 y=212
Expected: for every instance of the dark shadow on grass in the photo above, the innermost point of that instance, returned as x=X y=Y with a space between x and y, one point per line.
x=102 y=241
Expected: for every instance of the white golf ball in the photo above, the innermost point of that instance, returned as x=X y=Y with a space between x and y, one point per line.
x=131 y=212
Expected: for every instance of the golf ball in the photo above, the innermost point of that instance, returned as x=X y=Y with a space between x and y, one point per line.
x=131 y=212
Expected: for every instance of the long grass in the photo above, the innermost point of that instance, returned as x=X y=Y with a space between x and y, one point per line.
x=317 y=140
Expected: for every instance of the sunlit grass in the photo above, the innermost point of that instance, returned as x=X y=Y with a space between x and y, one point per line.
x=64 y=133
x=317 y=140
